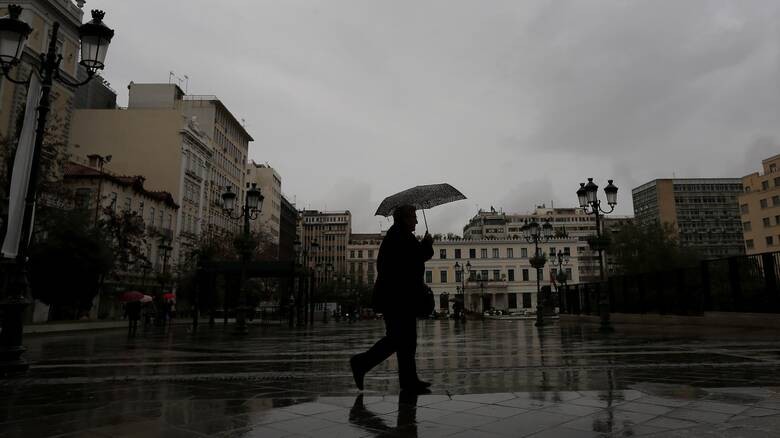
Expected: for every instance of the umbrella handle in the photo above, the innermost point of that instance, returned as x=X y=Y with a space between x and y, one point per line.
x=426 y=220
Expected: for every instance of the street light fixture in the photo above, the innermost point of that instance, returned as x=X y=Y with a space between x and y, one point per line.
x=95 y=37
x=463 y=270
x=253 y=203
x=535 y=233
x=590 y=203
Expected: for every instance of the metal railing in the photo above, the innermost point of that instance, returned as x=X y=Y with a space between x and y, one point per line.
x=734 y=284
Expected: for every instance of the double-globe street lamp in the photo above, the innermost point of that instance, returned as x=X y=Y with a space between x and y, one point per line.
x=253 y=204
x=463 y=271
x=535 y=233
x=95 y=38
x=590 y=203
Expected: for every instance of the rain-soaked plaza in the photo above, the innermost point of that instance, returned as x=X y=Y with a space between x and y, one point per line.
x=490 y=379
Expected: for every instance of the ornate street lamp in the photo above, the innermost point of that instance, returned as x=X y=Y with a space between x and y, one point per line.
x=253 y=204
x=95 y=37
x=464 y=270
x=587 y=194
x=535 y=233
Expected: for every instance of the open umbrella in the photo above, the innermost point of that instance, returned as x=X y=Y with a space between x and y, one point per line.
x=130 y=296
x=169 y=296
x=420 y=197
x=147 y=299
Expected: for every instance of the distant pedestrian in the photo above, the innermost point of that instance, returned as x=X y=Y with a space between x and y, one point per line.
x=133 y=311
x=401 y=267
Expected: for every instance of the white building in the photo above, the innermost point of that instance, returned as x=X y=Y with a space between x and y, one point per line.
x=500 y=277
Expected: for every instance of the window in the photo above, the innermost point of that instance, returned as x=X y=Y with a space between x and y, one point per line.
x=82 y=198
x=777 y=181
x=512 y=301
x=744 y=208
x=764 y=185
x=428 y=276
x=524 y=253
x=525 y=275
x=113 y=201
x=128 y=203
x=775 y=200
x=458 y=276
x=496 y=274
x=371 y=253
x=552 y=253
x=483 y=274
x=151 y=218
x=442 y=276
x=568 y=274
x=766 y=222
x=749 y=244
x=566 y=251
x=141 y=209
x=352 y=254
x=777 y=220
x=746 y=226
x=510 y=253
x=495 y=253
x=457 y=253
x=483 y=253
x=442 y=254
x=763 y=203
x=770 y=240
x=360 y=254
x=511 y=274
x=472 y=253
x=526 y=300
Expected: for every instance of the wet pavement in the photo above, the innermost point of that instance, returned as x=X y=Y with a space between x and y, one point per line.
x=490 y=379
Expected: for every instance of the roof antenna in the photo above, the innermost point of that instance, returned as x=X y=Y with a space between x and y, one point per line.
x=171 y=75
x=186 y=84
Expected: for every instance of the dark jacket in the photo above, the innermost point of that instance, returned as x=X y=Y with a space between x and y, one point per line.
x=401 y=271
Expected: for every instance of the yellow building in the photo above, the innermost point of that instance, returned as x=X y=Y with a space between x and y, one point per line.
x=190 y=146
x=361 y=255
x=759 y=206
x=41 y=16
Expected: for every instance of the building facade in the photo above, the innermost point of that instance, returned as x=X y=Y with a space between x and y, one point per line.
x=331 y=231
x=270 y=184
x=704 y=212
x=288 y=229
x=500 y=275
x=362 y=251
x=190 y=146
x=759 y=207
x=571 y=222
x=41 y=16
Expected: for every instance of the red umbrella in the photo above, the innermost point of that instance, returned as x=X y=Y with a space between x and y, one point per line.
x=131 y=295
x=169 y=296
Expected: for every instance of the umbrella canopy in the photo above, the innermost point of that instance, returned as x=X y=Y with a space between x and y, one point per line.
x=169 y=296
x=420 y=197
x=131 y=295
x=147 y=299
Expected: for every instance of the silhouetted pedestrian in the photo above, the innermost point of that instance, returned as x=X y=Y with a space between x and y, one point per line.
x=133 y=311
x=401 y=267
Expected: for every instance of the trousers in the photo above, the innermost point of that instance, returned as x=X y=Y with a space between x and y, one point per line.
x=401 y=339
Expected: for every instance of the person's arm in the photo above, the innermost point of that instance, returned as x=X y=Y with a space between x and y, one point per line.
x=426 y=247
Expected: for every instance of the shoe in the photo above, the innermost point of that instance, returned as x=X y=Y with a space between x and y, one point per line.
x=357 y=373
x=415 y=389
x=424 y=384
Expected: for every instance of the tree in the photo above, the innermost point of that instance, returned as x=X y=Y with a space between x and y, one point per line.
x=650 y=248
x=66 y=265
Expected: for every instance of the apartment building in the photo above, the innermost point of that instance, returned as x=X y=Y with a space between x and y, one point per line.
x=189 y=146
x=759 y=208
x=270 y=184
x=362 y=251
x=331 y=230
x=704 y=212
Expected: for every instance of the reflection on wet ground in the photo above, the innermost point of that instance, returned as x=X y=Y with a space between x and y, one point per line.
x=492 y=378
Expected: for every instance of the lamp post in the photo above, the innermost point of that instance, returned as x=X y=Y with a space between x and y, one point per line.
x=463 y=270
x=590 y=203
x=560 y=261
x=314 y=274
x=253 y=204
x=535 y=233
x=95 y=38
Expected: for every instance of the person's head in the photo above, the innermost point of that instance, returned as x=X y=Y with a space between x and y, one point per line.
x=406 y=217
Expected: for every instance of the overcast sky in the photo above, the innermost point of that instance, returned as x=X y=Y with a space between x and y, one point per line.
x=512 y=102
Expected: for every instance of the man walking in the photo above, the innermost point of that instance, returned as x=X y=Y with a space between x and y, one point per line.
x=401 y=267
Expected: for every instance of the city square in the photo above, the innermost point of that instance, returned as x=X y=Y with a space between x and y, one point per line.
x=490 y=379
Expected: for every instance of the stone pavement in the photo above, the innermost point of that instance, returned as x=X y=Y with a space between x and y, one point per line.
x=490 y=379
